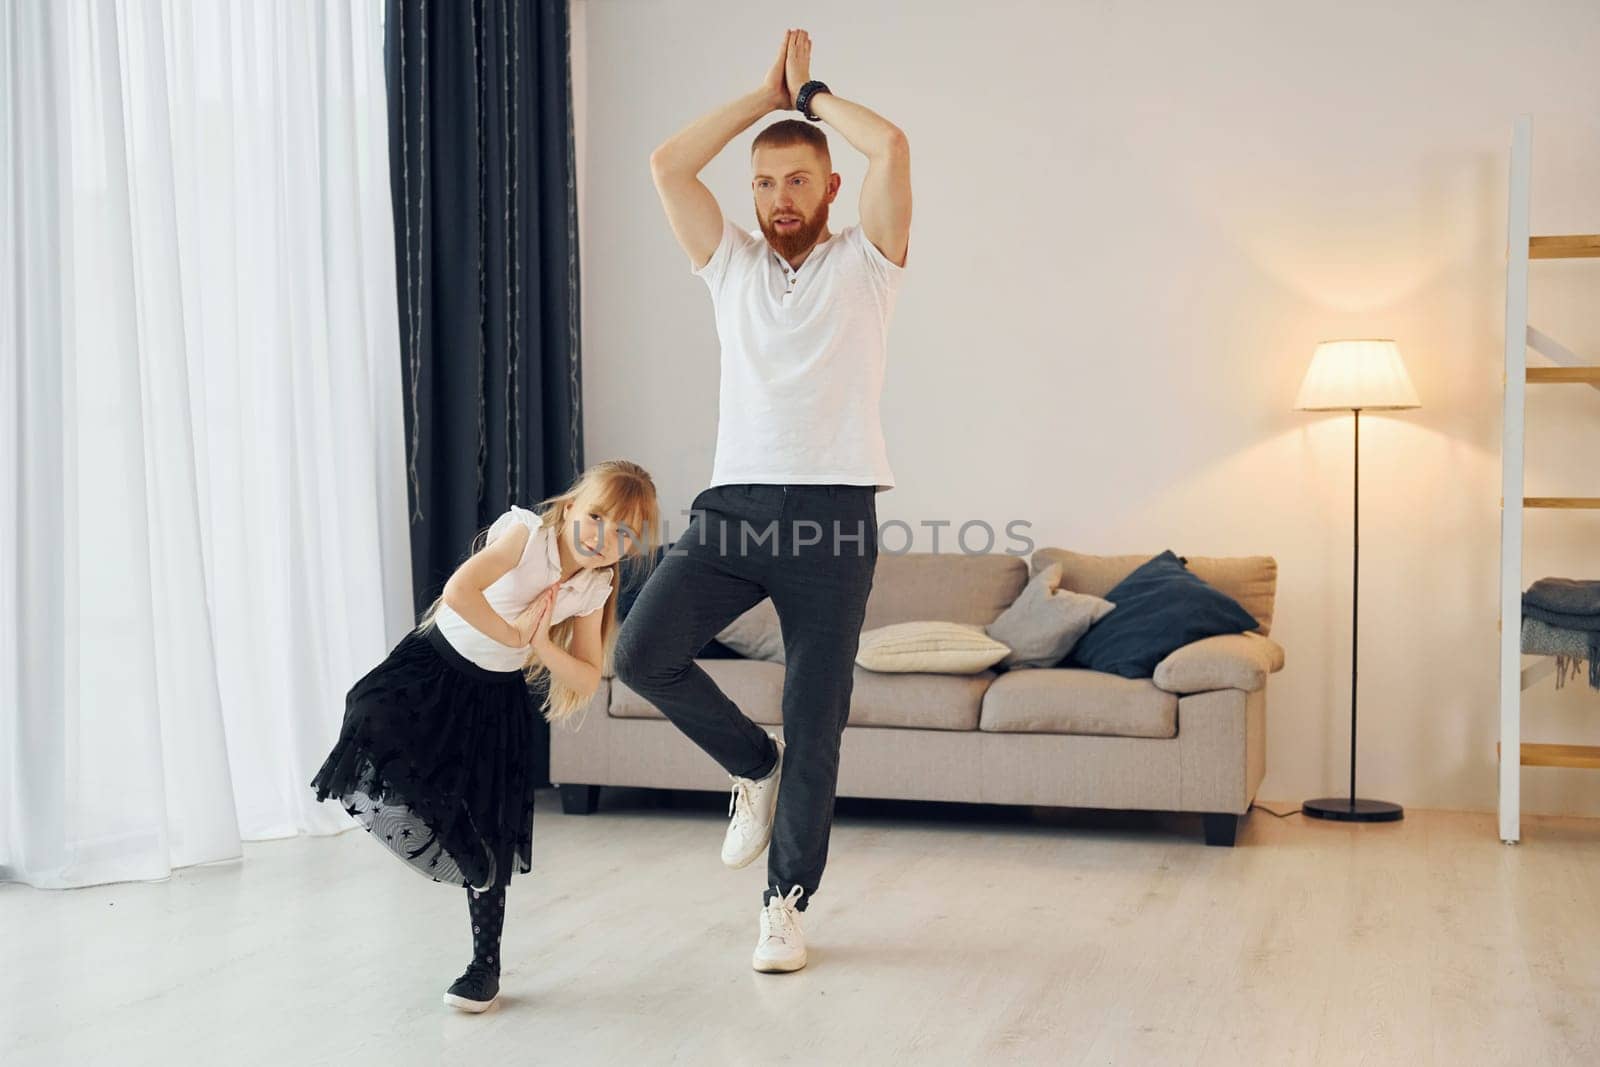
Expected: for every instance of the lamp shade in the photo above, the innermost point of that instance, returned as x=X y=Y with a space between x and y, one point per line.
x=1364 y=374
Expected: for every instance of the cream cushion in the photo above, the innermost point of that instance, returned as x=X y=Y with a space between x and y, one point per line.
x=932 y=647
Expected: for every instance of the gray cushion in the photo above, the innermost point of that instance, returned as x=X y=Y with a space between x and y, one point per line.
x=756 y=633
x=1043 y=624
x=1062 y=701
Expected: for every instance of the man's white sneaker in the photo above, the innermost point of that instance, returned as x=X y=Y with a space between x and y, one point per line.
x=751 y=808
x=782 y=947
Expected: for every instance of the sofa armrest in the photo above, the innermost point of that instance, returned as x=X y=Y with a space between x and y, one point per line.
x=1231 y=661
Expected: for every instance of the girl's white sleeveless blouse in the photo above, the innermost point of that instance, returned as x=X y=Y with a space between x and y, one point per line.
x=510 y=595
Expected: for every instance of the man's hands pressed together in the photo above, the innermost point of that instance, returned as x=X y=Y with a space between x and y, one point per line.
x=797 y=65
x=693 y=212
x=776 y=86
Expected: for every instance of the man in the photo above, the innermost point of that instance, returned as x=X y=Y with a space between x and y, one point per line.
x=802 y=315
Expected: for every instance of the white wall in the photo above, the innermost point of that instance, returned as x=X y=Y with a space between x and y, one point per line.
x=1133 y=223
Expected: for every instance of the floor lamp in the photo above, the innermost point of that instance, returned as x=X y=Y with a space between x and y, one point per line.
x=1355 y=376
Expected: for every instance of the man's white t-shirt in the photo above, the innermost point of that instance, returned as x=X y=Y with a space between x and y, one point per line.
x=803 y=356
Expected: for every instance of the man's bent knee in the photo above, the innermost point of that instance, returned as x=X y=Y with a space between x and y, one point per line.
x=642 y=664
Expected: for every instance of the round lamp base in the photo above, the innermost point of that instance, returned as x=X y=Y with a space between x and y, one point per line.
x=1347 y=809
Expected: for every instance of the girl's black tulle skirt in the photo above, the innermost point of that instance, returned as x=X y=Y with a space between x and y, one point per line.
x=435 y=759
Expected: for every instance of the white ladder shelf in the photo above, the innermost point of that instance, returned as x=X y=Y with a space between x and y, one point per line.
x=1511 y=752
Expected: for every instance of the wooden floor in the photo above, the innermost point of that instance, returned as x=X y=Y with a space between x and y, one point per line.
x=942 y=935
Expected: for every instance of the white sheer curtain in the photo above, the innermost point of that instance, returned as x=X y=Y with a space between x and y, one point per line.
x=204 y=537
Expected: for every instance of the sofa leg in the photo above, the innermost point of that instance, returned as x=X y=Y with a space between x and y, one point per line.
x=580 y=799
x=1221 y=828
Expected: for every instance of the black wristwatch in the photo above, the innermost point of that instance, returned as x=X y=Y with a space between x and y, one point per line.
x=802 y=100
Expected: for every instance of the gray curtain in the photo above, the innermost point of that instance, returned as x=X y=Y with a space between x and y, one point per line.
x=486 y=248
x=481 y=164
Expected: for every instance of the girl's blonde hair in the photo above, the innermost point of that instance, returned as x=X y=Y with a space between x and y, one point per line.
x=626 y=494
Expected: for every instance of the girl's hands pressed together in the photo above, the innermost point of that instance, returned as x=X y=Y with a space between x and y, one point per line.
x=533 y=625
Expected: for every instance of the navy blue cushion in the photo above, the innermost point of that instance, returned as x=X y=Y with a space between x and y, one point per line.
x=1160 y=607
x=633 y=582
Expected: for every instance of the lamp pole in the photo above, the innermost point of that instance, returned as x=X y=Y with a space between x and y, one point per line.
x=1350 y=808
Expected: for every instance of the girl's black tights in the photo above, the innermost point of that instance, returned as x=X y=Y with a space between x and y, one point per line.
x=488 y=911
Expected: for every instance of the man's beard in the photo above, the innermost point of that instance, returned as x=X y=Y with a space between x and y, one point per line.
x=800 y=239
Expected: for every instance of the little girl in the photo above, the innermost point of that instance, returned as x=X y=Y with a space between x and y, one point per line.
x=434 y=757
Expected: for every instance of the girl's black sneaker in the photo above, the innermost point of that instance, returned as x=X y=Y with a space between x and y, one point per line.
x=476 y=990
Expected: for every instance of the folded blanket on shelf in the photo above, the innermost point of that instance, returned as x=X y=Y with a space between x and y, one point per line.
x=1569 y=647
x=1561 y=620
x=1577 y=602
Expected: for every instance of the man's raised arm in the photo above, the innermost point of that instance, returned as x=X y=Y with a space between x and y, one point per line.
x=676 y=165
x=886 y=190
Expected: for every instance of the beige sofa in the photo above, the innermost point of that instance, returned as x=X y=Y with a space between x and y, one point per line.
x=1192 y=739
